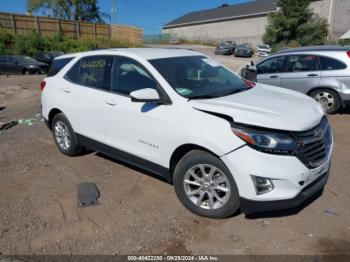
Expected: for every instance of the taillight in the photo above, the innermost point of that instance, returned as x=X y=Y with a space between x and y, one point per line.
x=348 y=53
x=42 y=85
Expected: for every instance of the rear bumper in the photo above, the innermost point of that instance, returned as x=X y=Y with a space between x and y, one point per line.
x=251 y=206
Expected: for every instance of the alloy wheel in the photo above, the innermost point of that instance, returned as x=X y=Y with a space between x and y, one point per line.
x=207 y=186
x=62 y=135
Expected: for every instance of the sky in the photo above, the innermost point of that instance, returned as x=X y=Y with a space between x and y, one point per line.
x=149 y=15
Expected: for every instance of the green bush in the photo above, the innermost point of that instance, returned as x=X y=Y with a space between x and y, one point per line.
x=32 y=43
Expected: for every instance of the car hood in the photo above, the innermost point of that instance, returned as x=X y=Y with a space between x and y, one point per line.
x=266 y=106
x=37 y=63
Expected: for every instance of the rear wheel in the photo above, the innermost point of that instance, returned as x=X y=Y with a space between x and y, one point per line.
x=205 y=186
x=64 y=136
x=328 y=99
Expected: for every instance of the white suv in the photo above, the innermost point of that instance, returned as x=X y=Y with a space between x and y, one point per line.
x=224 y=142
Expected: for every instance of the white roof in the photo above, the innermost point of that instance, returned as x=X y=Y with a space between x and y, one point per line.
x=346 y=35
x=146 y=53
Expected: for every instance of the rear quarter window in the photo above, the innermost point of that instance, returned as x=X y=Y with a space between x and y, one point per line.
x=92 y=71
x=328 y=63
x=57 y=65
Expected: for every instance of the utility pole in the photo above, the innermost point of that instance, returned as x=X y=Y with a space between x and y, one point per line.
x=330 y=19
x=114 y=12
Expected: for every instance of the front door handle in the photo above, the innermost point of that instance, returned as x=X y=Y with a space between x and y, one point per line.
x=66 y=89
x=312 y=75
x=274 y=76
x=111 y=102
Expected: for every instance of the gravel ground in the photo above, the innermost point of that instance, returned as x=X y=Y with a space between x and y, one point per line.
x=138 y=213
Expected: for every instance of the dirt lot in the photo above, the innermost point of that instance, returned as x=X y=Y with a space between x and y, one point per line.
x=139 y=214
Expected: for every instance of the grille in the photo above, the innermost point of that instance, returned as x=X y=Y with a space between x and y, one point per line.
x=314 y=145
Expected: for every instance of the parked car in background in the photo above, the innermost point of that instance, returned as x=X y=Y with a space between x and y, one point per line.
x=224 y=143
x=322 y=72
x=244 y=50
x=16 y=64
x=226 y=48
x=263 y=50
x=47 y=56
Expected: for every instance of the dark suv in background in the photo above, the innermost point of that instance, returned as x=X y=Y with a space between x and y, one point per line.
x=322 y=72
x=47 y=56
x=16 y=64
x=226 y=48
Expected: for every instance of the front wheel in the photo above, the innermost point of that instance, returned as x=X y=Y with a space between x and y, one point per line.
x=328 y=99
x=205 y=186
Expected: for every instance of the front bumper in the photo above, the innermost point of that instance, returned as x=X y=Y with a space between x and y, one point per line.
x=293 y=181
x=263 y=53
x=223 y=51
x=242 y=54
x=251 y=206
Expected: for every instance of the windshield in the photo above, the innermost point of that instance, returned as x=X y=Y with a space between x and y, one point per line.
x=198 y=77
x=226 y=44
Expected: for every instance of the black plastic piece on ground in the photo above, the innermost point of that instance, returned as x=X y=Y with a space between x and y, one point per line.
x=88 y=194
x=8 y=125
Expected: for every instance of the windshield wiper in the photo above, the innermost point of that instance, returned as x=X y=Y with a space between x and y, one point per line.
x=201 y=97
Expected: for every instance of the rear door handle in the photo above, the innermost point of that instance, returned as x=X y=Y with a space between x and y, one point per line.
x=311 y=75
x=66 y=89
x=111 y=102
x=274 y=76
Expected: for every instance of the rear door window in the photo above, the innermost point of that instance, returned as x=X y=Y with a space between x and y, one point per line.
x=57 y=65
x=328 y=63
x=92 y=71
x=302 y=63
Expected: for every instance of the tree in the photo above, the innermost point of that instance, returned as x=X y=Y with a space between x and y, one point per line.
x=295 y=24
x=83 y=10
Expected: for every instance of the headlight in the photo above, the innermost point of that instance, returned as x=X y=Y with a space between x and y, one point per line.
x=270 y=142
x=33 y=66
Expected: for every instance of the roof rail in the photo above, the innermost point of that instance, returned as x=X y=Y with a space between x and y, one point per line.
x=316 y=48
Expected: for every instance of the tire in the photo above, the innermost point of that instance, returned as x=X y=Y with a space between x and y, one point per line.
x=25 y=72
x=64 y=136
x=188 y=190
x=328 y=99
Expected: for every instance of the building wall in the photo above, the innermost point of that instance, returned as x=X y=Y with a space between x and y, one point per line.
x=244 y=30
x=338 y=18
x=321 y=8
x=252 y=29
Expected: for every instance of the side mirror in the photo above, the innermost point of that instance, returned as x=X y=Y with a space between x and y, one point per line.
x=145 y=95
